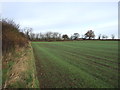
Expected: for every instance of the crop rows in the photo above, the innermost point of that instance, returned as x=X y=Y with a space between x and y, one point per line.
x=77 y=64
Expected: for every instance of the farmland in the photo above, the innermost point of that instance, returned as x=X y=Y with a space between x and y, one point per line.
x=77 y=64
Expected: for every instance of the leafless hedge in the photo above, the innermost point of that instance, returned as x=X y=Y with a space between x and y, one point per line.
x=12 y=37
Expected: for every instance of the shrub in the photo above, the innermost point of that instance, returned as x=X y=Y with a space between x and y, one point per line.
x=11 y=36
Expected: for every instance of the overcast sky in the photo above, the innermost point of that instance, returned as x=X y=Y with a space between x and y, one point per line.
x=65 y=17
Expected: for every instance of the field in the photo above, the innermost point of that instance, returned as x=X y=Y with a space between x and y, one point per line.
x=77 y=64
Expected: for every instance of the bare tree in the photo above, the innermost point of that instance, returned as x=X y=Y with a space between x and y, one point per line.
x=106 y=37
x=59 y=36
x=103 y=36
x=42 y=36
x=90 y=34
x=45 y=36
x=112 y=36
x=65 y=36
x=48 y=35
x=27 y=32
x=76 y=36
x=99 y=36
x=37 y=36
x=32 y=36
x=55 y=35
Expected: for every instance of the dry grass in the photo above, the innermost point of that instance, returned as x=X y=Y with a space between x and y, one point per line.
x=21 y=73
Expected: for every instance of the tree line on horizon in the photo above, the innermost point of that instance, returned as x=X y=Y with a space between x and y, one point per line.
x=13 y=36
x=56 y=36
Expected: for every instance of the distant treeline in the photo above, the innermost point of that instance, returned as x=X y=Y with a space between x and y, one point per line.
x=13 y=36
x=48 y=36
x=56 y=36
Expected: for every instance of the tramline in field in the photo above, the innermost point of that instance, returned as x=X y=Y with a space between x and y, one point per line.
x=77 y=64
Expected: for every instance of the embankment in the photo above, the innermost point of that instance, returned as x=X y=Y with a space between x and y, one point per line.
x=19 y=70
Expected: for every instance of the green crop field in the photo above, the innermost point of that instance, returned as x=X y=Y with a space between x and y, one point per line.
x=77 y=64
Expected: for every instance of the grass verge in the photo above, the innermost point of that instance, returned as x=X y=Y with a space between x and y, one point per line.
x=19 y=69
